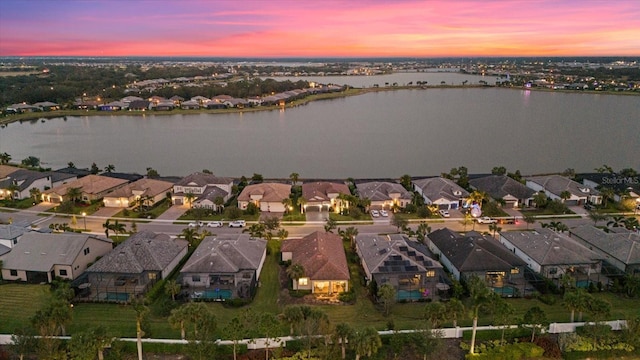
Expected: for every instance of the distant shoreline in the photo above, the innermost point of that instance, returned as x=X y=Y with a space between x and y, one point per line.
x=351 y=91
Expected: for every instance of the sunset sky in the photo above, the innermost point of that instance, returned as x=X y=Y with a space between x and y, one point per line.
x=320 y=28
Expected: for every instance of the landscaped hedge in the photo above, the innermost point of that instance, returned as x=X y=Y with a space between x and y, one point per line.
x=509 y=352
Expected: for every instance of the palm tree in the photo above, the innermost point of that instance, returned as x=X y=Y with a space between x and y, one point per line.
x=631 y=223
x=142 y=311
x=576 y=300
x=495 y=228
x=219 y=202
x=480 y=295
x=478 y=197
x=107 y=227
x=35 y=193
x=405 y=181
x=118 y=228
x=529 y=219
x=189 y=234
x=294 y=178
x=616 y=221
x=282 y=234
x=349 y=234
x=597 y=216
x=5 y=158
x=537 y=318
x=172 y=288
x=330 y=225
x=302 y=202
x=293 y=315
x=342 y=333
x=295 y=272
x=288 y=203
x=109 y=168
x=189 y=197
x=607 y=194
x=435 y=313
x=455 y=310
x=74 y=193
x=366 y=342
x=565 y=195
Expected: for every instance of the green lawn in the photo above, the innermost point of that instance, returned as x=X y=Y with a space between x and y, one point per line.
x=18 y=302
x=17 y=204
x=155 y=211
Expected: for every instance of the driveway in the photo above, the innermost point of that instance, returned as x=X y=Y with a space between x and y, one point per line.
x=106 y=212
x=42 y=207
x=173 y=213
x=317 y=216
x=512 y=212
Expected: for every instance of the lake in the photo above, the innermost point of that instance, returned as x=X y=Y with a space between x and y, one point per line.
x=381 y=134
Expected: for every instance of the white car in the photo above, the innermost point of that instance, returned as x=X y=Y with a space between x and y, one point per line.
x=486 y=220
x=444 y=213
x=195 y=224
x=237 y=224
x=214 y=224
x=384 y=213
x=375 y=213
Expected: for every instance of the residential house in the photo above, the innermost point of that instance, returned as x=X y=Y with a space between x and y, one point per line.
x=552 y=255
x=444 y=193
x=10 y=234
x=325 y=196
x=555 y=187
x=266 y=196
x=384 y=195
x=623 y=186
x=133 y=267
x=619 y=247
x=113 y=106
x=20 y=108
x=165 y=105
x=322 y=256
x=224 y=267
x=139 y=105
x=47 y=106
x=190 y=105
x=405 y=264
x=503 y=188
x=93 y=187
x=40 y=258
x=149 y=190
x=21 y=182
x=474 y=254
x=204 y=188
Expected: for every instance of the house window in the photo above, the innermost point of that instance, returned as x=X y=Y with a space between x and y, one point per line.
x=63 y=272
x=153 y=276
x=86 y=251
x=515 y=271
x=13 y=272
x=431 y=273
x=195 y=278
x=553 y=270
x=303 y=281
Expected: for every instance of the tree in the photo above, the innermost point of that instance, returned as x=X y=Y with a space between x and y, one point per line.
x=426 y=341
x=495 y=228
x=5 y=158
x=503 y=313
x=74 y=194
x=330 y=225
x=203 y=344
x=349 y=234
x=237 y=329
x=399 y=222
x=616 y=221
x=268 y=327
x=596 y=216
x=435 y=313
x=536 y=318
x=23 y=341
x=499 y=170
x=107 y=226
x=293 y=315
x=405 y=181
x=271 y=223
x=295 y=272
x=191 y=235
x=421 y=231
x=31 y=161
x=366 y=342
x=607 y=194
x=189 y=197
x=257 y=179
x=141 y=309
x=94 y=169
x=455 y=310
x=576 y=300
x=565 y=195
x=540 y=199
x=118 y=228
x=631 y=223
x=86 y=344
x=480 y=296
x=152 y=173
x=294 y=178
x=35 y=193
x=342 y=333
x=387 y=297
x=287 y=203
x=529 y=219
x=109 y=168
x=172 y=288
x=315 y=322
x=282 y=234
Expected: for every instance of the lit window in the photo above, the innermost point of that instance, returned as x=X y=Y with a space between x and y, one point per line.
x=431 y=273
x=152 y=276
x=303 y=281
x=515 y=271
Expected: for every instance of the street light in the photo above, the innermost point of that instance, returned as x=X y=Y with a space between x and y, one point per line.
x=84 y=217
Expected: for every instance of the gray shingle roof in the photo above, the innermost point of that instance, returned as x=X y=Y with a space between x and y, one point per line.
x=40 y=252
x=143 y=251
x=623 y=246
x=10 y=231
x=474 y=252
x=556 y=184
x=440 y=188
x=379 y=191
x=499 y=186
x=393 y=254
x=227 y=253
x=547 y=247
x=203 y=179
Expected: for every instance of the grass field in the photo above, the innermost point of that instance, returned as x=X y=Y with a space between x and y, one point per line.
x=18 y=302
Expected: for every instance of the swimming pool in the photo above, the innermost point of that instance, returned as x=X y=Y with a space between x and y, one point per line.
x=221 y=294
x=410 y=294
x=508 y=291
x=117 y=296
x=583 y=284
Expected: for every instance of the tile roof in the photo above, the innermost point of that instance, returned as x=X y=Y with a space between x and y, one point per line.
x=143 y=251
x=90 y=184
x=394 y=253
x=499 y=186
x=623 y=245
x=148 y=187
x=547 y=247
x=474 y=252
x=40 y=252
x=271 y=192
x=226 y=253
x=321 y=254
x=10 y=231
x=5 y=170
x=318 y=191
x=380 y=191
x=556 y=184
x=440 y=188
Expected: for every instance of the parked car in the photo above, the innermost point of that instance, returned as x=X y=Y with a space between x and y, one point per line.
x=384 y=213
x=375 y=213
x=486 y=220
x=214 y=224
x=194 y=224
x=444 y=213
x=589 y=207
x=511 y=220
x=237 y=224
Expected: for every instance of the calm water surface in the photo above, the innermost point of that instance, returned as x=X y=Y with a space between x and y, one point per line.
x=384 y=134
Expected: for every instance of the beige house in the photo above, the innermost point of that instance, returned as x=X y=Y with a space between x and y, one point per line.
x=151 y=189
x=266 y=196
x=200 y=187
x=93 y=187
x=384 y=195
x=39 y=258
x=324 y=196
x=322 y=256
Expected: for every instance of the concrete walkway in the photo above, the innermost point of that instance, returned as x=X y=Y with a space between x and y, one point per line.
x=173 y=213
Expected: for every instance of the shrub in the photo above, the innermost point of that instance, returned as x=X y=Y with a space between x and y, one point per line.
x=347 y=297
x=548 y=299
x=236 y=302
